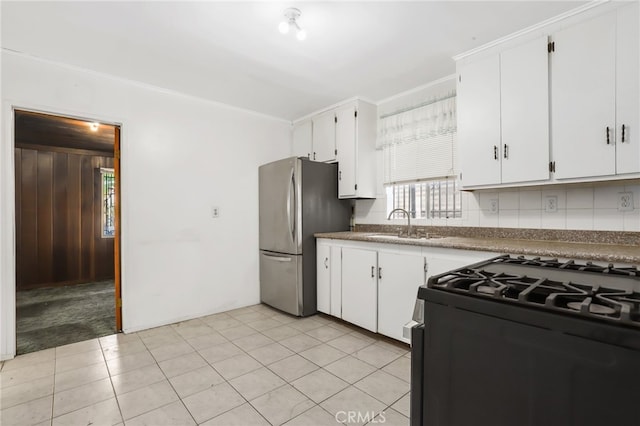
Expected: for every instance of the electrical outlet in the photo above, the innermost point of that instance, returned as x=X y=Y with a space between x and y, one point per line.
x=215 y=212
x=625 y=201
x=493 y=205
x=551 y=203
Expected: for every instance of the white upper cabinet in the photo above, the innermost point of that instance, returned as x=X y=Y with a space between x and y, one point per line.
x=503 y=116
x=356 y=145
x=524 y=107
x=346 y=145
x=324 y=137
x=566 y=111
x=628 y=91
x=595 y=97
x=479 y=121
x=346 y=134
x=583 y=76
x=302 y=133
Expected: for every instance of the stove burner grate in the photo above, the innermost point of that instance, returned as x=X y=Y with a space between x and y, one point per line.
x=579 y=289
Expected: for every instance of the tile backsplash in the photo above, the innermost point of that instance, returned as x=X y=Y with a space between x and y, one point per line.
x=579 y=207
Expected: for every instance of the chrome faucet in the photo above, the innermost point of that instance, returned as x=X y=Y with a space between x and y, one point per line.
x=408 y=219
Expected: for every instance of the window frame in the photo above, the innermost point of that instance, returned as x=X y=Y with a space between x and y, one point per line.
x=107 y=202
x=424 y=199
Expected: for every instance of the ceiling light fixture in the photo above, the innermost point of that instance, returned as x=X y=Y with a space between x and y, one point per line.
x=291 y=15
x=94 y=126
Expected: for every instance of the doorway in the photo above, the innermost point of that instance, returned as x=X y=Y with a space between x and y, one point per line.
x=67 y=230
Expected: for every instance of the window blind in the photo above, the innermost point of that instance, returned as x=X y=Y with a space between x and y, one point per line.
x=419 y=143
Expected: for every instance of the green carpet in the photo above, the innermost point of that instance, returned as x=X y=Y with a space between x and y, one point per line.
x=50 y=317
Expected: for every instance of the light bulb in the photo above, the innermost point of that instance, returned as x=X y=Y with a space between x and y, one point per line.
x=94 y=126
x=283 y=27
x=301 y=35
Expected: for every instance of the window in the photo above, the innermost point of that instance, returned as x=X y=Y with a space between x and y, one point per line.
x=108 y=181
x=426 y=200
x=419 y=143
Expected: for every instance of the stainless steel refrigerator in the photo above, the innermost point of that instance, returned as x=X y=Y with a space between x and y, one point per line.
x=298 y=198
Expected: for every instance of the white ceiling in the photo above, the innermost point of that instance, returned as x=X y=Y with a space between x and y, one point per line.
x=232 y=52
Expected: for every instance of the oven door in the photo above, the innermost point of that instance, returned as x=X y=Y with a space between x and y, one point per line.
x=486 y=368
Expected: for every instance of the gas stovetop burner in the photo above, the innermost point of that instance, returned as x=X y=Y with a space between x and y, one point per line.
x=594 y=308
x=601 y=292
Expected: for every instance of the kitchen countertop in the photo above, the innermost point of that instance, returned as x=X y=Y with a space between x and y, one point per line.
x=616 y=253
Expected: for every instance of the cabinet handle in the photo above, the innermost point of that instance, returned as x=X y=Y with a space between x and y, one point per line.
x=309 y=156
x=314 y=155
x=623 y=129
x=373 y=272
x=326 y=259
x=608 y=140
x=495 y=152
x=379 y=273
x=506 y=151
x=339 y=174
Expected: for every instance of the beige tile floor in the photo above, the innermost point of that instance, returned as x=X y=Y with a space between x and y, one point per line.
x=249 y=366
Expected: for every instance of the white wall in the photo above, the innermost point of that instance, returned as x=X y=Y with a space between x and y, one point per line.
x=180 y=157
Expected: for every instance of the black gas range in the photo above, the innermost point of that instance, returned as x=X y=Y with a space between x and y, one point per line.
x=528 y=341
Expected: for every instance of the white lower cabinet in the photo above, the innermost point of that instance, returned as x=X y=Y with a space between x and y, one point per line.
x=374 y=285
x=323 y=278
x=336 y=281
x=329 y=278
x=399 y=276
x=360 y=287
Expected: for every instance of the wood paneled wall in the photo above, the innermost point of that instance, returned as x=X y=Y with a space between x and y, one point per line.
x=58 y=218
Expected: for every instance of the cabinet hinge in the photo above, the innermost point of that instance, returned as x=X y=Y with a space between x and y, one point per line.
x=552 y=166
x=335 y=119
x=355 y=114
x=551 y=46
x=356 y=186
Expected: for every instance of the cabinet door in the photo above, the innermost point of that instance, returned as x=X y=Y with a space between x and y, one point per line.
x=302 y=134
x=360 y=287
x=399 y=276
x=479 y=121
x=336 y=281
x=583 y=73
x=323 y=280
x=524 y=94
x=346 y=146
x=324 y=137
x=628 y=91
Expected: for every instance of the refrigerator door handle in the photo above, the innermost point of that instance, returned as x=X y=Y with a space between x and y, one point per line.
x=289 y=201
x=295 y=207
x=277 y=258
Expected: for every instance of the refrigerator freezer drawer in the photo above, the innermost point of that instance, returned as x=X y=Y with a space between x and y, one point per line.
x=281 y=281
